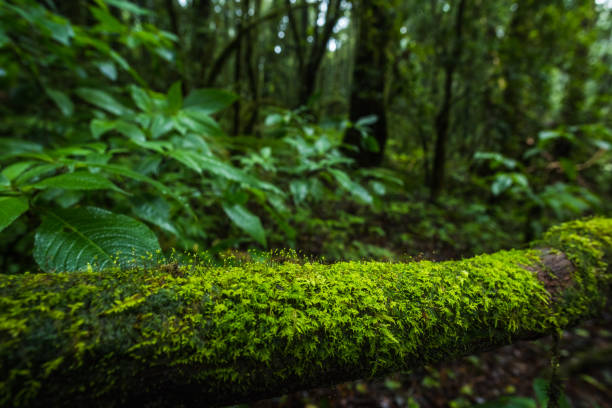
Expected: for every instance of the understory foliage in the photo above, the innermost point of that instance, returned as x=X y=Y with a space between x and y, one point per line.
x=97 y=157
x=235 y=331
x=117 y=141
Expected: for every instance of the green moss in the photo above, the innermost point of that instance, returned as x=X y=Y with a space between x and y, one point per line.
x=241 y=330
x=588 y=244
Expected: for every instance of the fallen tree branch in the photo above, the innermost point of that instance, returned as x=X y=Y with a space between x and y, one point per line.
x=203 y=336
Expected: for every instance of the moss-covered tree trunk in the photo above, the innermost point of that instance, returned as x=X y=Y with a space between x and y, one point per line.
x=202 y=336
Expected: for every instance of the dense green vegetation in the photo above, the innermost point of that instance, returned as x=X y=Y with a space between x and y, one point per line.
x=144 y=132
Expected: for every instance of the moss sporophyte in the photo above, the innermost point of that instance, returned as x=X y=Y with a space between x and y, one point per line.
x=206 y=335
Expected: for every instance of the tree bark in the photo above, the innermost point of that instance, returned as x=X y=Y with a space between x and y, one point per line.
x=206 y=336
x=368 y=92
x=442 y=122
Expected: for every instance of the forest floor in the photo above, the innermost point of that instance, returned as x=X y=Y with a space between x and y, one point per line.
x=586 y=353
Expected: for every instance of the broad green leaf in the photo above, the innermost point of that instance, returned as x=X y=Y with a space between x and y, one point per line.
x=79 y=180
x=496 y=159
x=352 y=187
x=107 y=22
x=126 y=172
x=123 y=63
x=10 y=209
x=520 y=179
x=4 y=182
x=141 y=98
x=299 y=190
x=371 y=144
x=103 y=100
x=160 y=125
x=4 y=39
x=247 y=221
x=10 y=147
x=509 y=402
x=62 y=101
x=205 y=123
x=165 y=53
x=175 y=98
x=192 y=142
x=378 y=187
x=14 y=170
x=501 y=183
x=100 y=126
x=61 y=30
x=128 y=6
x=209 y=101
x=200 y=162
x=159 y=146
x=188 y=158
x=131 y=131
x=35 y=172
x=108 y=69
x=69 y=240
x=155 y=210
x=366 y=121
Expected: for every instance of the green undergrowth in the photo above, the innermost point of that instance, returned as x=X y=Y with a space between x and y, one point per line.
x=263 y=327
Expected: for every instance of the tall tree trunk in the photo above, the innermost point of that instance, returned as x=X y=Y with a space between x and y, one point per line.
x=368 y=90
x=203 y=43
x=442 y=121
x=252 y=67
x=309 y=61
x=238 y=70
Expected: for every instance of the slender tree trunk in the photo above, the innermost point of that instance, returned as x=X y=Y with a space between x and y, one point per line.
x=203 y=43
x=368 y=90
x=238 y=75
x=442 y=121
x=252 y=67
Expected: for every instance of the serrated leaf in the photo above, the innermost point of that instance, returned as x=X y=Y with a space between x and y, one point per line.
x=209 y=101
x=102 y=100
x=79 y=180
x=247 y=221
x=10 y=209
x=69 y=240
x=62 y=101
x=352 y=187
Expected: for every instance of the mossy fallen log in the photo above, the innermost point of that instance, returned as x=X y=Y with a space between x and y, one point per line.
x=204 y=336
